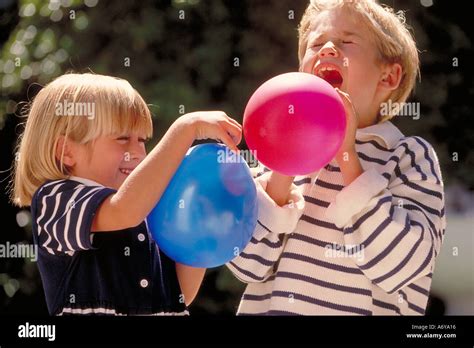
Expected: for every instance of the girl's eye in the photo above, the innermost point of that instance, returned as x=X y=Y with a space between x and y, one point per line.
x=347 y=42
x=122 y=140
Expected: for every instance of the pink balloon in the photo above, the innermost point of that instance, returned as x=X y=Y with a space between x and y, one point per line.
x=295 y=123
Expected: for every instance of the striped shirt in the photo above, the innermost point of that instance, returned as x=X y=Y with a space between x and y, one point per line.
x=110 y=273
x=365 y=249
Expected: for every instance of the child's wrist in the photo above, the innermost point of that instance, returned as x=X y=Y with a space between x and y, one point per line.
x=186 y=124
x=281 y=178
x=279 y=187
x=346 y=155
x=350 y=166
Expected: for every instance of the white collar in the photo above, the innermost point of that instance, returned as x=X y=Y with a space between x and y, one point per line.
x=85 y=181
x=386 y=131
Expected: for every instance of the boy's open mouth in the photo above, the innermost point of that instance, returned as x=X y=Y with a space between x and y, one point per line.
x=330 y=74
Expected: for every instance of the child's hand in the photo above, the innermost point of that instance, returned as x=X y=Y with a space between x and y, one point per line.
x=348 y=145
x=215 y=125
x=347 y=156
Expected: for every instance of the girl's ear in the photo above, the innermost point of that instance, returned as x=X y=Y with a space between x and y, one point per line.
x=391 y=76
x=64 y=152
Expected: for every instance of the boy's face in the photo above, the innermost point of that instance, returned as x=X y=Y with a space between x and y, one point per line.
x=110 y=159
x=341 y=51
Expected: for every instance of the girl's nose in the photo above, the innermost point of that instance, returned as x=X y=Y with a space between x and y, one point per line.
x=136 y=150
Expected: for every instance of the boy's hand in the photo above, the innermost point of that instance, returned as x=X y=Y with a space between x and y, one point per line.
x=347 y=156
x=352 y=121
x=215 y=125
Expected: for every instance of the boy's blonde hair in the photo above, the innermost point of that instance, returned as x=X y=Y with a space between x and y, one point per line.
x=390 y=33
x=118 y=109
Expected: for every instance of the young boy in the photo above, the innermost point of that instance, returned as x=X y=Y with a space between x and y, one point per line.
x=361 y=235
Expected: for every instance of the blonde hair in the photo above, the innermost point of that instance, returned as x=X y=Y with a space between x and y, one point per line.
x=118 y=109
x=390 y=32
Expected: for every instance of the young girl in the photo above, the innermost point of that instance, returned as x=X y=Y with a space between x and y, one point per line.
x=83 y=169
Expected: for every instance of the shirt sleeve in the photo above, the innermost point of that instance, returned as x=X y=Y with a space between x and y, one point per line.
x=395 y=221
x=256 y=262
x=63 y=212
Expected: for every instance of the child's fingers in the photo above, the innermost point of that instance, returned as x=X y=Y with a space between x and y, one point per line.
x=349 y=107
x=235 y=131
x=227 y=140
x=344 y=97
x=234 y=122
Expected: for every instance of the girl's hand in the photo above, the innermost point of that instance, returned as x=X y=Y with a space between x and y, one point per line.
x=214 y=125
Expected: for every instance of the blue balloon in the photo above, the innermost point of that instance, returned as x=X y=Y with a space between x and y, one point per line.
x=208 y=212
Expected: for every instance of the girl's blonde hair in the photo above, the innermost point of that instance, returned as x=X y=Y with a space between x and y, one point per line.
x=390 y=33
x=58 y=110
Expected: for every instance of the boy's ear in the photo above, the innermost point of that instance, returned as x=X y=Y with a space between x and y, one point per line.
x=391 y=76
x=65 y=152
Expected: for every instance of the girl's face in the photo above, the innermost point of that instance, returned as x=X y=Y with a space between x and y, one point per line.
x=109 y=160
x=340 y=51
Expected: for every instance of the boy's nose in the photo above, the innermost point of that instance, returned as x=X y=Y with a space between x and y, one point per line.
x=328 y=50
